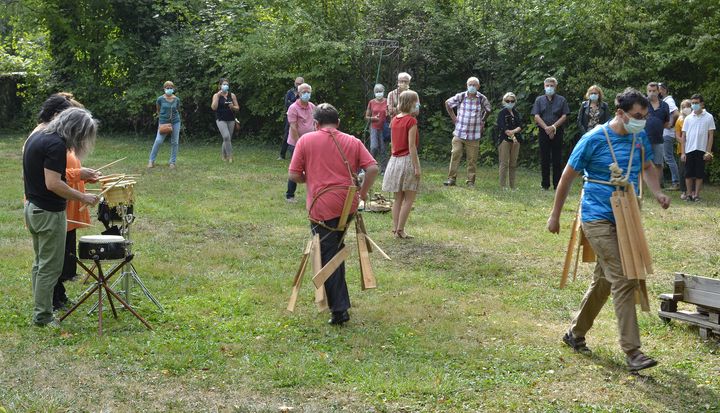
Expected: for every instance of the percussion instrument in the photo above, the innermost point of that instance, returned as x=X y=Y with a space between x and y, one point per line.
x=119 y=192
x=102 y=247
x=107 y=214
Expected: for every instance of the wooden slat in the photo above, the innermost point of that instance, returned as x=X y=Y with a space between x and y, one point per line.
x=327 y=270
x=702 y=283
x=297 y=281
x=644 y=248
x=588 y=254
x=701 y=297
x=320 y=295
x=377 y=248
x=570 y=250
x=360 y=228
x=367 y=277
x=350 y=197
x=623 y=241
x=692 y=318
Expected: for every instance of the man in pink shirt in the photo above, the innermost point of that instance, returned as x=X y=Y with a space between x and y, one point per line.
x=300 y=118
x=318 y=161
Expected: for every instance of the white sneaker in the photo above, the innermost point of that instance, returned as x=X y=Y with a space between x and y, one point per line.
x=291 y=200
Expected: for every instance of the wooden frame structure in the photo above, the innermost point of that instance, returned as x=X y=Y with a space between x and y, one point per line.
x=700 y=291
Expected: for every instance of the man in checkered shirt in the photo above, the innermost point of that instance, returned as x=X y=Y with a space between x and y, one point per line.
x=472 y=110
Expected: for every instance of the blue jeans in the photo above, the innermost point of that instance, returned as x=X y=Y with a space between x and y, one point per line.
x=292 y=186
x=669 y=146
x=377 y=145
x=174 y=143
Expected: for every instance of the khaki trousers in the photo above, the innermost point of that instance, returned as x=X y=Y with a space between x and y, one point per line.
x=471 y=154
x=608 y=278
x=508 y=154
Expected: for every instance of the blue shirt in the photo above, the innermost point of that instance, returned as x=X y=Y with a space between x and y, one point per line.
x=168 y=109
x=655 y=124
x=592 y=155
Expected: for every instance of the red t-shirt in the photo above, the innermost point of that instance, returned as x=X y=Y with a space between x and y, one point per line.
x=399 y=130
x=378 y=108
x=317 y=156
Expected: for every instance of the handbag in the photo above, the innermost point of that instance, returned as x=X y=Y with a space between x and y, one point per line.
x=166 y=128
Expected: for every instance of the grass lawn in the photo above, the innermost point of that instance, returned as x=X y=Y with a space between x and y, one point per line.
x=467 y=316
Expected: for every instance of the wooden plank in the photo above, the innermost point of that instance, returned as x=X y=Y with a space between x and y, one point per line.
x=320 y=295
x=349 y=198
x=588 y=254
x=297 y=281
x=702 y=283
x=703 y=298
x=570 y=250
x=644 y=248
x=625 y=254
x=360 y=228
x=377 y=248
x=367 y=276
x=696 y=319
x=327 y=270
x=644 y=301
x=632 y=232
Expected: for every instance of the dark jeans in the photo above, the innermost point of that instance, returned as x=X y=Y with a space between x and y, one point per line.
x=69 y=268
x=550 y=152
x=284 y=145
x=292 y=186
x=335 y=286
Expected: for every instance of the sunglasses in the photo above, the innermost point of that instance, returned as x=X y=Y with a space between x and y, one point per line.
x=509 y=101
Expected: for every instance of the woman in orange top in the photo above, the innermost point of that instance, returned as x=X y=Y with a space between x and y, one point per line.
x=76 y=177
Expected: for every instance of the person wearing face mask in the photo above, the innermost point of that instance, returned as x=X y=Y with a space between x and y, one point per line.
x=696 y=145
x=290 y=97
x=592 y=154
x=658 y=120
x=300 y=118
x=376 y=114
x=685 y=111
x=403 y=83
x=167 y=107
x=593 y=111
x=509 y=126
x=669 y=137
x=550 y=113
x=326 y=160
x=224 y=104
x=472 y=110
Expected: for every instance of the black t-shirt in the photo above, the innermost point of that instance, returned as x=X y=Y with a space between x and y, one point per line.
x=223 y=111
x=44 y=151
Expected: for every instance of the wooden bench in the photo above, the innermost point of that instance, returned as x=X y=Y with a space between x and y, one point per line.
x=700 y=291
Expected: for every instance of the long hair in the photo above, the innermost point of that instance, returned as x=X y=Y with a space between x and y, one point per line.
x=78 y=127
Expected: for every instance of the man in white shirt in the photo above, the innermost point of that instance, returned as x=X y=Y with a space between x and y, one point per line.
x=696 y=145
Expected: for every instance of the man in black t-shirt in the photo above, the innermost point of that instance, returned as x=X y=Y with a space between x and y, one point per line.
x=44 y=162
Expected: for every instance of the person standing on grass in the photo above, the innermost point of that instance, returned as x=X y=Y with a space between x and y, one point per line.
x=402 y=176
x=685 y=111
x=224 y=104
x=696 y=145
x=403 y=84
x=592 y=155
x=550 y=113
x=290 y=97
x=658 y=119
x=300 y=118
x=46 y=194
x=669 y=137
x=327 y=161
x=593 y=111
x=375 y=114
x=472 y=110
x=509 y=126
x=167 y=107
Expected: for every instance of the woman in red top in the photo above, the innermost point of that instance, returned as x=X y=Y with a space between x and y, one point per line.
x=402 y=175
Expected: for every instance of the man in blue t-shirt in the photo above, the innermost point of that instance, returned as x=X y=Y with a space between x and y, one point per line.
x=592 y=156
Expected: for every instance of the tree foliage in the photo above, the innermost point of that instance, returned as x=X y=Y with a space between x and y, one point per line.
x=115 y=54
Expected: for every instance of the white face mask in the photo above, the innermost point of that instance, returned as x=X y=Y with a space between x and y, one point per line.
x=634 y=125
x=379 y=95
x=686 y=111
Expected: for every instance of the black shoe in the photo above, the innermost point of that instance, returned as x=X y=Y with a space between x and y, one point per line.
x=339 y=317
x=640 y=361
x=576 y=343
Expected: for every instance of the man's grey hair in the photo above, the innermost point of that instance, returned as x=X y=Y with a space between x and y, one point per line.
x=378 y=88
x=305 y=86
x=472 y=79
x=404 y=75
x=551 y=80
x=79 y=129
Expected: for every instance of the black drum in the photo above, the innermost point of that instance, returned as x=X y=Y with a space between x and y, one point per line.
x=105 y=247
x=107 y=214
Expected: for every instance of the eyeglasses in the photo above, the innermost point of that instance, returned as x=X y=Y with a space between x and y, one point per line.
x=638 y=116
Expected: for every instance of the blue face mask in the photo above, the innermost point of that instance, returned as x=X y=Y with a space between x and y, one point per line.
x=509 y=105
x=169 y=91
x=305 y=97
x=379 y=95
x=225 y=88
x=594 y=97
x=695 y=107
x=634 y=125
x=550 y=90
x=417 y=107
x=472 y=89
